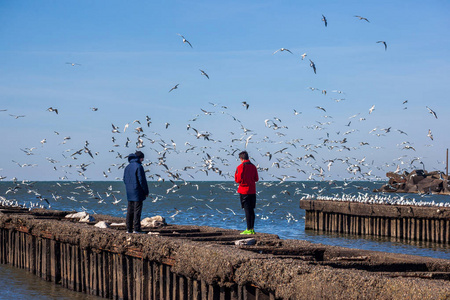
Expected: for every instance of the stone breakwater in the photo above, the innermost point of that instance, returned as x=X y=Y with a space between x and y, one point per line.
x=192 y=262
x=418 y=181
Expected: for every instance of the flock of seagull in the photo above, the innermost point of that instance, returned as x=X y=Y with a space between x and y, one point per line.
x=210 y=153
x=376 y=199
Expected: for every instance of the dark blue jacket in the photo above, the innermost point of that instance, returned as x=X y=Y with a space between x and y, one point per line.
x=134 y=179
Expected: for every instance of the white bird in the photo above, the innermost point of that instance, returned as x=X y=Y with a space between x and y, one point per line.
x=303 y=55
x=51 y=109
x=325 y=20
x=432 y=112
x=247 y=140
x=313 y=65
x=362 y=18
x=372 y=109
x=174 y=88
x=16 y=117
x=430 y=135
x=203 y=73
x=283 y=49
x=185 y=40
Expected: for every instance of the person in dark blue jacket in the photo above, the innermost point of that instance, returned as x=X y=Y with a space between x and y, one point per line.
x=137 y=190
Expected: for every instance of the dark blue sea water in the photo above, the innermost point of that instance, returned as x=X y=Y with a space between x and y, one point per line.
x=217 y=204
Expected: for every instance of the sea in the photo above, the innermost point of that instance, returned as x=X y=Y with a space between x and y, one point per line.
x=204 y=203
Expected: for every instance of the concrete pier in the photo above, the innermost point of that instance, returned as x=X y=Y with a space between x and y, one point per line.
x=192 y=262
x=416 y=223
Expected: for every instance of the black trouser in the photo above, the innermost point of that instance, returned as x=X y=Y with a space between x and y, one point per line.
x=248 y=203
x=134 y=215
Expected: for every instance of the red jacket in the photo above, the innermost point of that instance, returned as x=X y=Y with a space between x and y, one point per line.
x=246 y=175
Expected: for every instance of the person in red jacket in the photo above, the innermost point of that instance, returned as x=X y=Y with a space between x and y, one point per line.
x=247 y=176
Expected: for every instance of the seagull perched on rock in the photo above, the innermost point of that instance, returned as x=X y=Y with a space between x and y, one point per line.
x=384 y=43
x=283 y=49
x=185 y=40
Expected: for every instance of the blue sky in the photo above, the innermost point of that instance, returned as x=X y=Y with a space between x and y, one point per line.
x=130 y=56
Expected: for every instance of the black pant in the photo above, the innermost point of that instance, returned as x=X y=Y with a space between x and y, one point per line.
x=134 y=215
x=248 y=203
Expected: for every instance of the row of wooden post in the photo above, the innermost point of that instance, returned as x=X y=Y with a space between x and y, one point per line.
x=416 y=229
x=107 y=274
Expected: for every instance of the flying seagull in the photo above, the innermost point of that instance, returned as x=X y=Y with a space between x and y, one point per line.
x=303 y=55
x=312 y=65
x=432 y=112
x=430 y=135
x=324 y=20
x=174 y=88
x=73 y=64
x=283 y=49
x=16 y=117
x=384 y=43
x=50 y=109
x=372 y=109
x=203 y=73
x=185 y=40
x=362 y=18
x=245 y=104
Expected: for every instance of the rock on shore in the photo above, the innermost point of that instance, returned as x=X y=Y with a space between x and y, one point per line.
x=418 y=181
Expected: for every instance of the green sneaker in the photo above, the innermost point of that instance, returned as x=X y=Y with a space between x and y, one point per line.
x=246 y=231
x=252 y=231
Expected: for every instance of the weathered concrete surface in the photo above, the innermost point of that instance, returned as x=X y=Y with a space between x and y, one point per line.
x=290 y=269
x=418 y=181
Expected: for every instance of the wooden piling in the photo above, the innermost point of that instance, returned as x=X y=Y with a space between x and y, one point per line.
x=402 y=222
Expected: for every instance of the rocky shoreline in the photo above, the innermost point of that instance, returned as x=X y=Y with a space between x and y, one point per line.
x=418 y=181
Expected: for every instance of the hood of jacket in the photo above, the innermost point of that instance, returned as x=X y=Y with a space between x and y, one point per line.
x=133 y=158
